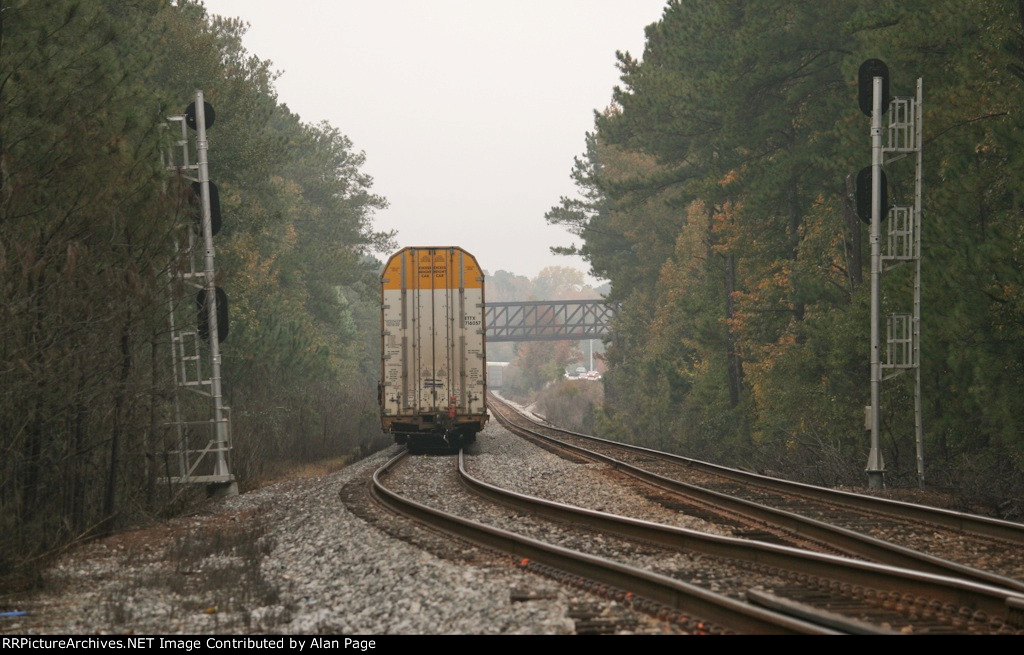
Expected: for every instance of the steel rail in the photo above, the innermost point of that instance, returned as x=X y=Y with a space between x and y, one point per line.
x=847 y=541
x=994 y=601
x=726 y=612
x=963 y=521
x=798 y=609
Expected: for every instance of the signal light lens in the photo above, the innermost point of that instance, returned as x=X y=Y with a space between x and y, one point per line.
x=864 y=195
x=208 y=114
x=869 y=70
x=203 y=315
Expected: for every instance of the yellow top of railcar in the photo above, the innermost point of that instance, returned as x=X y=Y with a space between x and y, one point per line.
x=436 y=267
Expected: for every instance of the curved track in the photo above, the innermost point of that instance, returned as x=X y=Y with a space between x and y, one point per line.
x=848 y=518
x=658 y=593
x=847 y=581
x=844 y=595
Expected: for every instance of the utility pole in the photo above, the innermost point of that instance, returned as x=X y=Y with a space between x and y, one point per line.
x=197 y=368
x=220 y=470
x=876 y=467
x=902 y=245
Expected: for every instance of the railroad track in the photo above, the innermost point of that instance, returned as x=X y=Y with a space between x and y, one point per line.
x=985 y=549
x=695 y=608
x=826 y=593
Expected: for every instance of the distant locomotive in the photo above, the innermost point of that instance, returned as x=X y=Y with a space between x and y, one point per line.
x=433 y=370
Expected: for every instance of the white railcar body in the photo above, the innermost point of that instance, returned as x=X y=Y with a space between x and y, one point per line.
x=433 y=369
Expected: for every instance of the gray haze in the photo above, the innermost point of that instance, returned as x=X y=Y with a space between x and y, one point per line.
x=469 y=111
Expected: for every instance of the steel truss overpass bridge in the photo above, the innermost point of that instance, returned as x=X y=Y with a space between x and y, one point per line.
x=548 y=320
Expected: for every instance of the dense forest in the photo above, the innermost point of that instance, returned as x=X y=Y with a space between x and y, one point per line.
x=88 y=224
x=716 y=194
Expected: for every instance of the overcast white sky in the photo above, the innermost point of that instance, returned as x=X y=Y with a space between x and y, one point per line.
x=469 y=111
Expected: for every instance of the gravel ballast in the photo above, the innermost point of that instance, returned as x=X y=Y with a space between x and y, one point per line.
x=291 y=558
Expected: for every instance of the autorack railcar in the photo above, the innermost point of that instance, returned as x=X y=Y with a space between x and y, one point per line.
x=433 y=361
